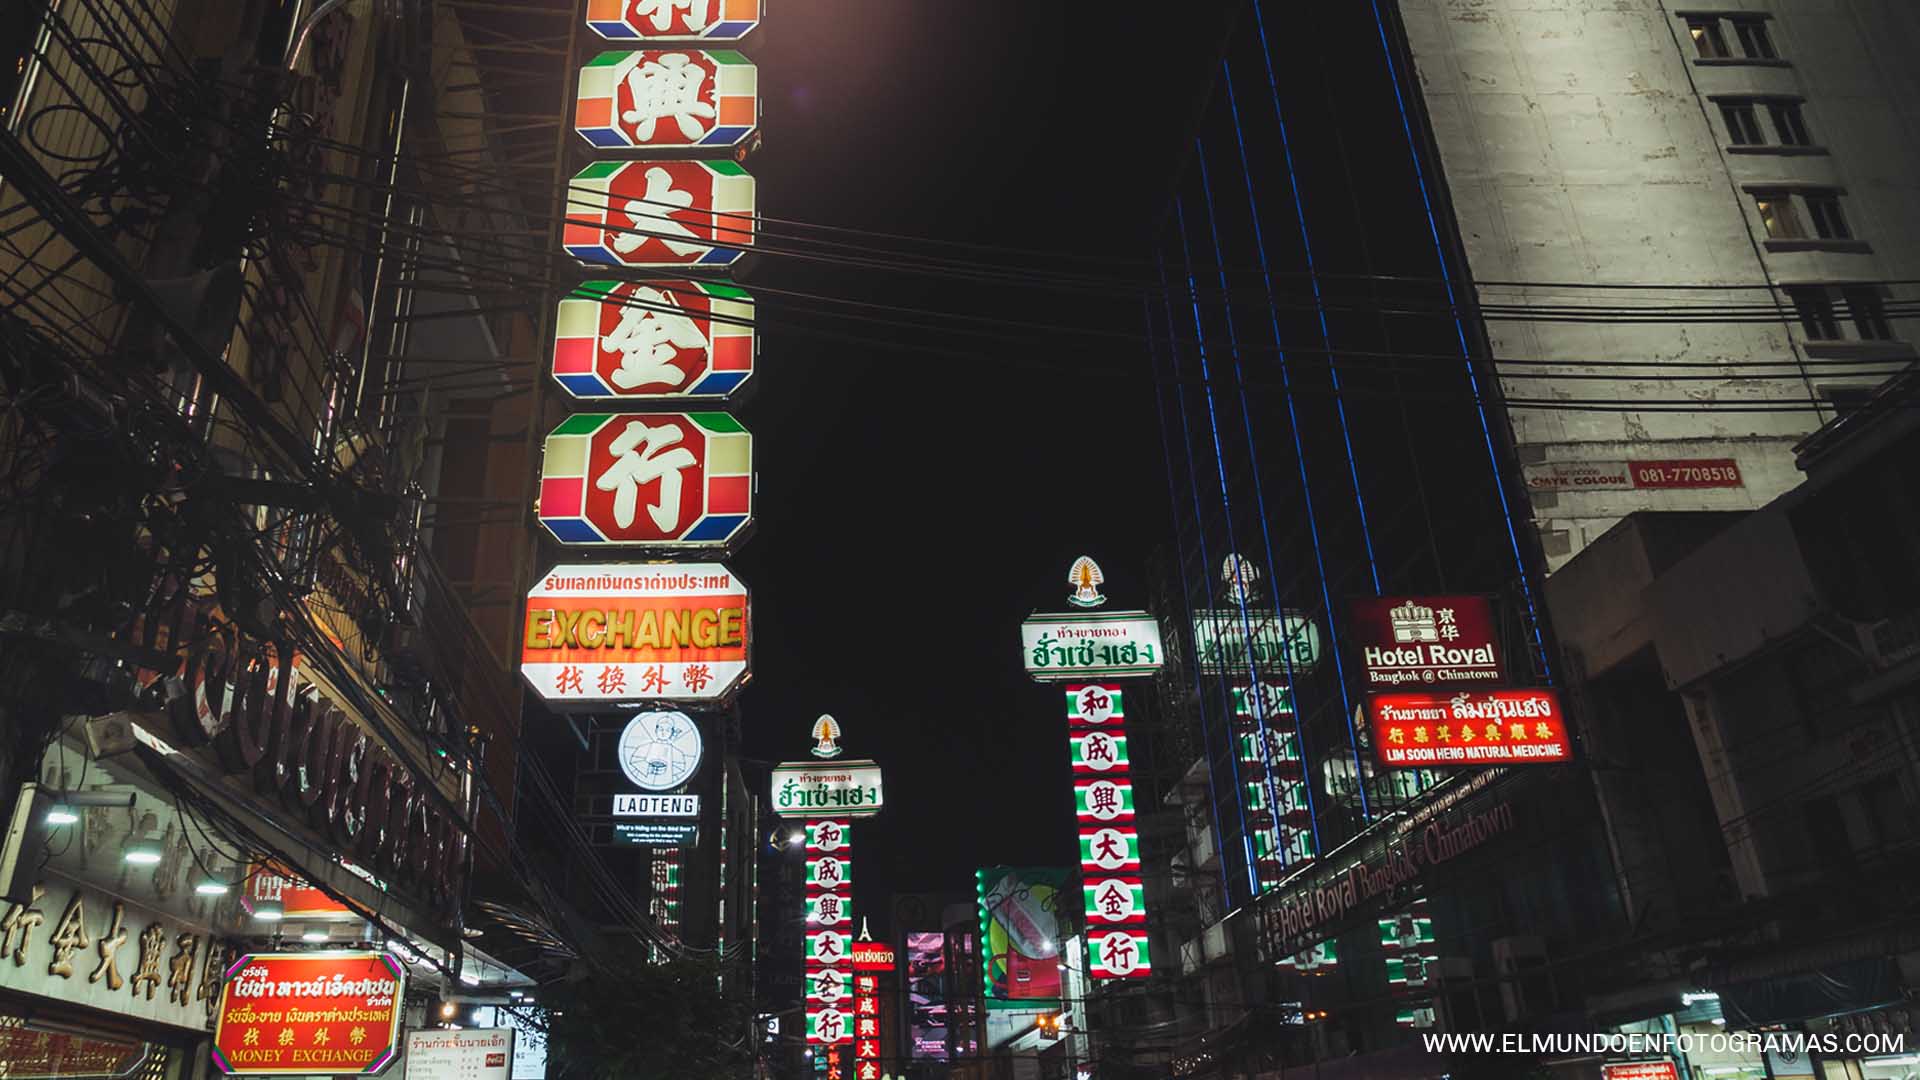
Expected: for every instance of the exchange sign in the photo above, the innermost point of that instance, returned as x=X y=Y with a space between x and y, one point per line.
x=659 y=213
x=813 y=789
x=646 y=341
x=1469 y=727
x=609 y=633
x=1078 y=645
x=659 y=480
x=347 y=1004
x=672 y=20
x=667 y=99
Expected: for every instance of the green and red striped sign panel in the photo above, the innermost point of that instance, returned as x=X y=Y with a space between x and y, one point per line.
x=672 y=20
x=659 y=213
x=667 y=99
x=1118 y=954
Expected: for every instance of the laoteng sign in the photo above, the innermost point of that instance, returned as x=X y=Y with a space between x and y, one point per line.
x=597 y=634
x=1084 y=645
x=816 y=789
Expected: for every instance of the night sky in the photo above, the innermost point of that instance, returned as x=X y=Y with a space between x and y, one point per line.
x=920 y=492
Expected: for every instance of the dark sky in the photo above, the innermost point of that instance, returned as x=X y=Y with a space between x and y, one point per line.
x=914 y=506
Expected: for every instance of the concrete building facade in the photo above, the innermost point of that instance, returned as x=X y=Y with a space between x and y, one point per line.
x=1687 y=225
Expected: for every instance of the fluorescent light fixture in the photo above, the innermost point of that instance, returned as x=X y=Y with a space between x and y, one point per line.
x=1902 y=1059
x=269 y=910
x=61 y=814
x=1694 y=997
x=211 y=888
x=470 y=978
x=796 y=837
x=143 y=852
x=314 y=935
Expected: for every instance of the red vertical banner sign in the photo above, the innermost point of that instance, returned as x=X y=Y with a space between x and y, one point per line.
x=831 y=1008
x=1116 y=910
x=866 y=1013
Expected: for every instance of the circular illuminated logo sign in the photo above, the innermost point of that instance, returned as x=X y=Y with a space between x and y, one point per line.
x=660 y=751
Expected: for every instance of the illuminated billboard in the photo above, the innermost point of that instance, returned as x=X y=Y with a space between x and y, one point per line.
x=667 y=99
x=1020 y=932
x=653 y=340
x=927 y=996
x=597 y=634
x=669 y=481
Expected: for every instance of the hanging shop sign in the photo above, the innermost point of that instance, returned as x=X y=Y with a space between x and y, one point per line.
x=1278 y=644
x=1468 y=727
x=660 y=751
x=672 y=20
x=667 y=99
x=872 y=956
x=813 y=789
x=629 y=805
x=829 y=947
x=866 y=1045
x=1097 y=802
x=1427 y=641
x=615 y=633
x=653 y=340
x=1072 y=645
x=298 y=899
x=461 y=1054
x=1098 y=752
x=298 y=1013
x=1565 y=476
x=828 y=986
x=1118 y=954
x=84 y=947
x=659 y=214
x=828 y=836
x=829 y=872
x=1114 y=900
x=1109 y=850
x=829 y=1025
x=1103 y=801
x=669 y=481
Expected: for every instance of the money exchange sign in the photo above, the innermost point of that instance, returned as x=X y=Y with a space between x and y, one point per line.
x=300 y=1013
x=608 y=633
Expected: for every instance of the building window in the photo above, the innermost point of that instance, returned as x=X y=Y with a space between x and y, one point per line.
x=1815 y=307
x=1755 y=42
x=1867 y=307
x=1778 y=213
x=1788 y=124
x=1823 y=208
x=1743 y=128
x=1708 y=41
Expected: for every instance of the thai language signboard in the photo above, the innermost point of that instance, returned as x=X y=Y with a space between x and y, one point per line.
x=659 y=213
x=460 y=1054
x=1468 y=727
x=653 y=340
x=303 y=1013
x=667 y=99
x=670 y=481
x=1273 y=643
x=1079 y=645
x=605 y=633
x=1427 y=641
x=816 y=789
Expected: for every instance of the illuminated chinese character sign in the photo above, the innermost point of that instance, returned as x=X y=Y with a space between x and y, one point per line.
x=1420 y=641
x=602 y=633
x=1468 y=727
x=659 y=214
x=653 y=480
x=1021 y=929
x=672 y=20
x=654 y=340
x=1114 y=903
x=667 y=99
x=299 y=1013
x=1080 y=645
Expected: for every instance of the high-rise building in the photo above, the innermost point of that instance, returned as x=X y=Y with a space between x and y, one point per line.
x=1690 y=230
